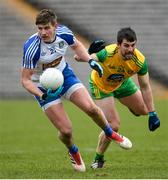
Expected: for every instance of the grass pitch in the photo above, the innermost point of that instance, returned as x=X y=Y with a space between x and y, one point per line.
x=30 y=149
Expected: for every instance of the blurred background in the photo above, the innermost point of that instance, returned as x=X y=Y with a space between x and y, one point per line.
x=90 y=20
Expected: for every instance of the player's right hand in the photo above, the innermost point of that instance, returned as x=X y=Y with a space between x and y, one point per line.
x=96 y=46
x=51 y=93
x=96 y=66
x=153 y=122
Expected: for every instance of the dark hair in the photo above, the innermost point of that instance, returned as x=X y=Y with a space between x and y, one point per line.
x=126 y=33
x=46 y=16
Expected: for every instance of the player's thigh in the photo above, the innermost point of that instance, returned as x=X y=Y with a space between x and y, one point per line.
x=59 y=118
x=82 y=99
x=108 y=107
x=135 y=102
x=106 y=102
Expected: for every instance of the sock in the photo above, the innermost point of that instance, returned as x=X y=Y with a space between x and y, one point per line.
x=108 y=131
x=73 y=149
x=99 y=156
x=112 y=134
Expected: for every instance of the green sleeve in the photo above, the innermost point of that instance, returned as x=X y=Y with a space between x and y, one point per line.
x=101 y=55
x=144 y=69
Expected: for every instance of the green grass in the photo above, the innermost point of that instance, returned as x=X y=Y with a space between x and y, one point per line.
x=30 y=149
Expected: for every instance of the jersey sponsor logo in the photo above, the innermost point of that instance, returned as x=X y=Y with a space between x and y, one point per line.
x=52 y=64
x=115 y=77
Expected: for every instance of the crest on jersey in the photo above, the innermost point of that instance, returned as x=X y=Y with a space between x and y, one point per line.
x=61 y=44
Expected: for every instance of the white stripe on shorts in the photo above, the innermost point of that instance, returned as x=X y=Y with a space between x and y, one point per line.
x=72 y=89
x=50 y=104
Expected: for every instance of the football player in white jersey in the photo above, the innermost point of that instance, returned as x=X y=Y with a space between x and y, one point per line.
x=46 y=49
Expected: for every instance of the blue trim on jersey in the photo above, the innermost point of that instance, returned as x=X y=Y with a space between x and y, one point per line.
x=31 y=52
x=66 y=34
x=70 y=79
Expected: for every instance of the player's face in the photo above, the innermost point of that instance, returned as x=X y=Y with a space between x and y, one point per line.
x=127 y=49
x=46 y=32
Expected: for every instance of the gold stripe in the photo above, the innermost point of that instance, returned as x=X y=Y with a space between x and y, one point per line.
x=136 y=60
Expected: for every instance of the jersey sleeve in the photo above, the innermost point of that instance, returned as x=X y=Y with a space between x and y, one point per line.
x=66 y=34
x=31 y=52
x=101 y=55
x=144 y=69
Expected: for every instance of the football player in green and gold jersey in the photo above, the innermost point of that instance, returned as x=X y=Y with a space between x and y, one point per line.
x=120 y=62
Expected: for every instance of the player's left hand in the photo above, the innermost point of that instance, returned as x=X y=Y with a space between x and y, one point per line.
x=51 y=93
x=153 y=122
x=96 y=66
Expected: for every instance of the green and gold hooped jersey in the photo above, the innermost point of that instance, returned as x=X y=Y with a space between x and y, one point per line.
x=116 y=70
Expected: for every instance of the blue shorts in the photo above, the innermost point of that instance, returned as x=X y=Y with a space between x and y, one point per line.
x=71 y=84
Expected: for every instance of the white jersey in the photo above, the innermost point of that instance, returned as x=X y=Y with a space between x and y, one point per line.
x=37 y=53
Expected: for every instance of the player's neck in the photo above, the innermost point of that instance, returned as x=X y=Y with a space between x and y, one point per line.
x=52 y=39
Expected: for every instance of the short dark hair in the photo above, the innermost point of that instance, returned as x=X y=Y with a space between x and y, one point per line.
x=126 y=33
x=46 y=16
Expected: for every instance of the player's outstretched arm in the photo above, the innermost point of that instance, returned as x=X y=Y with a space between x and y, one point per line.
x=153 y=121
x=94 y=47
x=81 y=53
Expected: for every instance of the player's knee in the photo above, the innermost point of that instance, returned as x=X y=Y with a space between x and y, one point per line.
x=143 y=110
x=66 y=132
x=140 y=111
